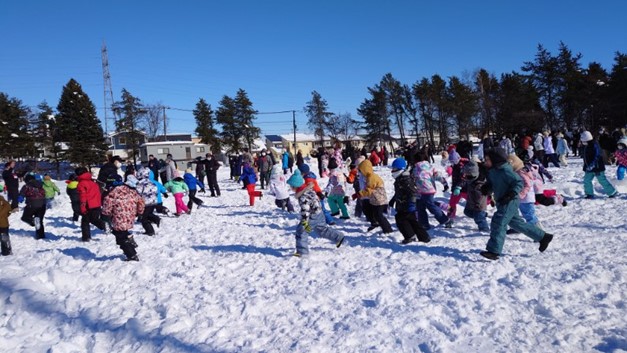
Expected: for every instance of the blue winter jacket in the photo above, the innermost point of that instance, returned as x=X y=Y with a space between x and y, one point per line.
x=191 y=181
x=504 y=180
x=249 y=174
x=592 y=158
x=160 y=188
x=285 y=160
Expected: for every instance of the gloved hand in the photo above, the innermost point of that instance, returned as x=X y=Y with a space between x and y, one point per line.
x=508 y=197
x=58 y=193
x=355 y=196
x=445 y=188
x=486 y=189
x=457 y=190
x=166 y=195
x=306 y=225
x=20 y=199
x=346 y=200
x=412 y=207
x=202 y=191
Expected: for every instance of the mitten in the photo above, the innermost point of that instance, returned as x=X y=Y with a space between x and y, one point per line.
x=355 y=196
x=306 y=225
x=412 y=207
x=166 y=195
x=457 y=190
x=445 y=187
x=346 y=200
x=485 y=189
x=20 y=199
x=508 y=197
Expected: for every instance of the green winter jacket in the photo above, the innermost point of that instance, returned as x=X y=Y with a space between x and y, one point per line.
x=503 y=180
x=50 y=188
x=176 y=187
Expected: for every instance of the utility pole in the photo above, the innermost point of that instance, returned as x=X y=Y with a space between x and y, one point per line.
x=165 y=126
x=294 y=123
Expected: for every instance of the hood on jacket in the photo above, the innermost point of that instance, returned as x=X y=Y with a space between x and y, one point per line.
x=277 y=171
x=84 y=176
x=517 y=163
x=365 y=168
x=71 y=184
x=144 y=173
x=498 y=156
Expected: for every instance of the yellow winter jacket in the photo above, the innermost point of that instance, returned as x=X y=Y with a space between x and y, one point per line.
x=375 y=188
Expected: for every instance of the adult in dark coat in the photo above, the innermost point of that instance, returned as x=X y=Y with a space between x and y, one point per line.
x=153 y=165
x=211 y=168
x=464 y=148
x=12 y=183
x=111 y=167
x=608 y=145
x=200 y=169
x=299 y=159
x=487 y=142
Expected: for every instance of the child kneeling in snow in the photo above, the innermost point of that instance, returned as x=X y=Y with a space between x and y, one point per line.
x=311 y=216
x=278 y=186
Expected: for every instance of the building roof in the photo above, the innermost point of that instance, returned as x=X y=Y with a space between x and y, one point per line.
x=170 y=143
x=274 y=138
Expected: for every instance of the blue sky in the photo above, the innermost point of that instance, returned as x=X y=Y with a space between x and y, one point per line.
x=176 y=52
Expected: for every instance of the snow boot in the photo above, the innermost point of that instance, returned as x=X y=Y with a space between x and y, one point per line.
x=372 y=227
x=339 y=243
x=409 y=240
x=489 y=255
x=5 y=243
x=544 y=243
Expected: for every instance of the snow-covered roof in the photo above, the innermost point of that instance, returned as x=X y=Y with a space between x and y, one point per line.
x=166 y=143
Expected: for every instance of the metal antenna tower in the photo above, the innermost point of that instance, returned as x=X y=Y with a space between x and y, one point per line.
x=108 y=91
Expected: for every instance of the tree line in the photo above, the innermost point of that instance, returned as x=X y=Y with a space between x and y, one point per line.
x=554 y=92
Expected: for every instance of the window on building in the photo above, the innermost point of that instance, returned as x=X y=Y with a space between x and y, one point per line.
x=122 y=140
x=163 y=150
x=200 y=149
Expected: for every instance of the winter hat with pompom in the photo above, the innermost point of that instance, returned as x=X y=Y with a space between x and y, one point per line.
x=296 y=180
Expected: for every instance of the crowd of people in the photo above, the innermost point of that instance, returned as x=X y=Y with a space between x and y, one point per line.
x=509 y=175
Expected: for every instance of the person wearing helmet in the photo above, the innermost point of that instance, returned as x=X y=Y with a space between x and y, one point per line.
x=593 y=166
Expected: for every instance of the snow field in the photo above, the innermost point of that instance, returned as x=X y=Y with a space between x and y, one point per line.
x=222 y=280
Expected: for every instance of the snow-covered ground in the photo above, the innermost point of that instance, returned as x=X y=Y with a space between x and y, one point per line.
x=223 y=280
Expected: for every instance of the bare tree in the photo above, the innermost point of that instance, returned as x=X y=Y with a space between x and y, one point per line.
x=153 y=119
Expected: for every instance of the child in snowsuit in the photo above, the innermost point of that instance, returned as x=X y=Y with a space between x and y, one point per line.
x=178 y=188
x=404 y=200
x=280 y=189
x=311 y=216
x=375 y=190
x=123 y=205
x=249 y=178
x=72 y=192
x=90 y=202
x=50 y=189
x=5 y=240
x=506 y=186
x=527 y=195
x=621 y=158
x=35 y=210
x=476 y=202
x=335 y=190
x=192 y=184
x=457 y=192
x=594 y=166
x=149 y=193
x=161 y=190
x=310 y=177
x=353 y=178
x=425 y=177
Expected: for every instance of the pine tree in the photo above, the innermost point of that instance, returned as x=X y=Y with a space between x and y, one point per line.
x=47 y=133
x=79 y=126
x=518 y=106
x=317 y=113
x=15 y=138
x=396 y=98
x=617 y=92
x=245 y=114
x=231 y=127
x=131 y=111
x=204 y=125
x=375 y=115
x=463 y=106
x=487 y=91
x=545 y=77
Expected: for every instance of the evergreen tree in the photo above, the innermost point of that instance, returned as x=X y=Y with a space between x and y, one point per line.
x=544 y=74
x=245 y=114
x=396 y=98
x=426 y=107
x=598 y=97
x=571 y=99
x=518 y=106
x=617 y=92
x=79 y=126
x=204 y=125
x=231 y=127
x=47 y=133
x=131 y=110
x=487 y=91
x=15 y=138
x=375 y=115
x=463 y=106
x=317 y=113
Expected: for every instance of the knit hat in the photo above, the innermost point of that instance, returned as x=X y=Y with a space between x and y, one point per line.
x=80 y=170
x=471 y=169
x=47 y=177
x=296 y=180
x=623 y=142
x=586 y=136
x=304 y=168
x=498 y=156
x=28 y=177
x=399 y=164
x=143 y=173
x=516 y=162
x=114 y=180
x=332 y=164
x=454 y=157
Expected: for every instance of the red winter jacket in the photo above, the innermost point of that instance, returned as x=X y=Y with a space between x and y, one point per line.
x=88 y=193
